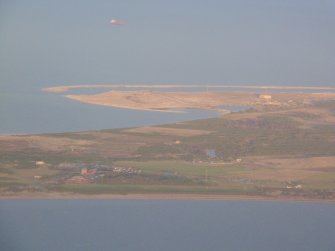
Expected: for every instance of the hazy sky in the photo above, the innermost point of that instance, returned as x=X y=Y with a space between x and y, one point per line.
x=177 y=41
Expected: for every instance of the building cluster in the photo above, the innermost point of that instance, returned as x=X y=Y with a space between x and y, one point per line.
x=91 y=175
x=126 y=170
x=86 y=176
x=293 y=186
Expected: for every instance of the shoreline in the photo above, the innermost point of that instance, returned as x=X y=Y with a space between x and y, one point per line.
x=65 y=88
x=161 y=197
x=210 y=100
x=73 y=97
x=287 y=101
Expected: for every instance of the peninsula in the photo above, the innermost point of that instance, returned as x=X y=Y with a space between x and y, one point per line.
x=212 y=98
x=281 y=147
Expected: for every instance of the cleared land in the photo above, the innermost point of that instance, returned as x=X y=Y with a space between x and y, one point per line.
x=282 y=148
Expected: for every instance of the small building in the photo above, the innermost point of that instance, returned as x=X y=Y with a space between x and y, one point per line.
x=40 y=163
x=83 y=171
x=71 y=165
x=265 y=97
x=211 y=153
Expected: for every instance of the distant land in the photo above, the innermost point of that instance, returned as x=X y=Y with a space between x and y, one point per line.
x=281 y=147
x=171 y=101
x=66 y=88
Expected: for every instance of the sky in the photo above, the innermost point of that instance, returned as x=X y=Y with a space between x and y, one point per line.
x=263 y=42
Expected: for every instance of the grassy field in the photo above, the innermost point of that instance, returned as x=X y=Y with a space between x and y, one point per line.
x=152 y=189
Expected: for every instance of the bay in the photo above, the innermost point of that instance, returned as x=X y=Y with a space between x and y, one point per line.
x=38 y=112
x=125 y=225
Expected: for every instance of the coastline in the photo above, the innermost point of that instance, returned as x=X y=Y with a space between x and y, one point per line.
x=172 y=101
x=77 y=98
x=296 y=104
x=158 y=196
x=65 y=88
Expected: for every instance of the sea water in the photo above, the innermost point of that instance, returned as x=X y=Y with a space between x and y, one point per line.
x=40 y=112
x=165 y=225
x=34 y=111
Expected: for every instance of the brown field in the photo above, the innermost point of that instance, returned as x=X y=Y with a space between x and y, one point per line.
x=166 y=131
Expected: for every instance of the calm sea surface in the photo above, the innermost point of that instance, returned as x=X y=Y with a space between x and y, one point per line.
x=86 y=225
x=41 y=112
